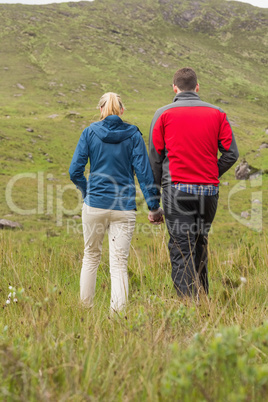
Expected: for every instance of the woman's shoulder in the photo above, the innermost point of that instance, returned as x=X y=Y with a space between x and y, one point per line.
x=90 y=129
x=95 y=124
x=87 y=133
x=133 y=128
x=131 y=125
x=137 y=134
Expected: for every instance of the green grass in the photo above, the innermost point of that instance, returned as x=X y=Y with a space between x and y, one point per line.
x=66 y=56
x=51 y=348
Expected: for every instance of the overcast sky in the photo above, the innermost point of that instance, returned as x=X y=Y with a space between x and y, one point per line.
x=258 y=3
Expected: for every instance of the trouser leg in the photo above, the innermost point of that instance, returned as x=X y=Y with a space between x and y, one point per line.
x=206 y=213
x=122 y=224
x=201 y=260
x=188 y=219
x=182 y=256
x=180 y=213
x=95 y=222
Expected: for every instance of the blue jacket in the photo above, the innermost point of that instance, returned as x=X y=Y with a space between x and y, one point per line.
x=115 y=150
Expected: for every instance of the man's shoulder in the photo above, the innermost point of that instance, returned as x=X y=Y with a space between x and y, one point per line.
x=186 y=103
x=162 y=109
x=210 y=105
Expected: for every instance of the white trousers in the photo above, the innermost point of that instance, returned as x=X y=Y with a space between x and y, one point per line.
x=120 y=226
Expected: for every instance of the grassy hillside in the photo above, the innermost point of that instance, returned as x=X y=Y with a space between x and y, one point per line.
x=55 y=62
x=59 y=59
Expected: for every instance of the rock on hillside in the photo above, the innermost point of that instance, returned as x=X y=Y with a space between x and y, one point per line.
x=6 y=224
x=242 y=171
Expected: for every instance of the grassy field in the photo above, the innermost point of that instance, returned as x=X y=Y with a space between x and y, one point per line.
x=57 y=62
x=159 y=349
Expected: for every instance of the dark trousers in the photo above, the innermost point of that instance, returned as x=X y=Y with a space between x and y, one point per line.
x=188 y=218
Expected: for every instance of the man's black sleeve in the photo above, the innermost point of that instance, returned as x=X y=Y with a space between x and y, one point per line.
x=230 y=152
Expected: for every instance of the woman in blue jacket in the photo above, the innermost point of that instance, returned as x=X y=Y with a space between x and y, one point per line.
x=115 y=150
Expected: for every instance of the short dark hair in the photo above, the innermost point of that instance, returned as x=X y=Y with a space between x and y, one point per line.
x=185 y=79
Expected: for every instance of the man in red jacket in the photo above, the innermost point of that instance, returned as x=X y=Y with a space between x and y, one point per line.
x=185 y=137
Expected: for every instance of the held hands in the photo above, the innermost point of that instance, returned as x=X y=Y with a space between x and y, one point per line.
x=156 y=216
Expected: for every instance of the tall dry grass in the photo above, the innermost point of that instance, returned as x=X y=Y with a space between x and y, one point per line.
x=160 y=348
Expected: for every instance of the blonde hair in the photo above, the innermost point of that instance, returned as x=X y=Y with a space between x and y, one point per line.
x=110 y=103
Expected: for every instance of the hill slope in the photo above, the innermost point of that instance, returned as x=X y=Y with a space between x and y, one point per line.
x=57 y=60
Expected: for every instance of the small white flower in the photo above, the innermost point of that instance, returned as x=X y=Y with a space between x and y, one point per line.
x=9 y=296
x=243 y=280
x=8 y=302
x=10 y=287
x=15 y=300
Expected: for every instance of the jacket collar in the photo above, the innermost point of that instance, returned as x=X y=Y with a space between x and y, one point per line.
x=189 y=95
x=112 y=121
